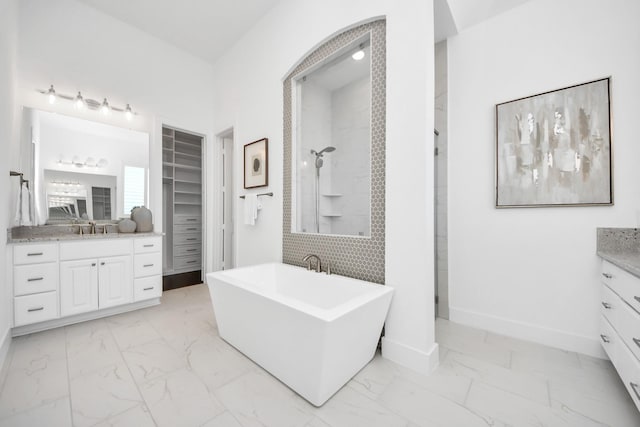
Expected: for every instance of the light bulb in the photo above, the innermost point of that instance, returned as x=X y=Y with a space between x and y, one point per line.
x=79 y=102
x=128 y=113
x=105 y=107
x=358 y=55
x=52 y=95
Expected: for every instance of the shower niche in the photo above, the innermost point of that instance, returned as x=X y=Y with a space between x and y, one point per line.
x=331 y=144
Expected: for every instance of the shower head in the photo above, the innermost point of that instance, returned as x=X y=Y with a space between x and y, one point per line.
x=324 y=150
x=327 y=150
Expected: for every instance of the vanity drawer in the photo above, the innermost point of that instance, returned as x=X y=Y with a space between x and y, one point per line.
x=147 y=264
x=628 y=368
x=32 y=254
x=187 y=239
x=147 y=287
x=187 y=228
x=147 y=245
x=628 y=326
x=609 y=304
x=35 y=308
x=187 y=219
x=624 y=284
x=187 y=250
x=609 y=339
x=31 y=279
x=192 y=261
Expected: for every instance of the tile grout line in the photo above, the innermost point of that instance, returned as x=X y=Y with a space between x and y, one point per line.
x=124 y=361
x=66 y=357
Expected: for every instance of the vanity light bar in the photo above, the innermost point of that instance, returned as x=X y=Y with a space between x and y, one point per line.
x=91 y=104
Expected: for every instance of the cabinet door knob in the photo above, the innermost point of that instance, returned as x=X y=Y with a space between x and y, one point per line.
x=102 y=263
x=606 y=305
x=608 y=275
x=148 y=289
x=35 y=279
x=148 y=246
x=34 y=254
x=35 y=309
x=148 y=265
x=604 y=338
x=93 y=264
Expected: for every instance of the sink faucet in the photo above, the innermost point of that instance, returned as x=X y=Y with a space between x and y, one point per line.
x=308 y=260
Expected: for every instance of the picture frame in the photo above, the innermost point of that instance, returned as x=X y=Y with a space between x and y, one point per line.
x=256 y=164
x=554 y=148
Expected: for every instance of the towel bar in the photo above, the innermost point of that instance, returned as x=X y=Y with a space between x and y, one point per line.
x=261 y=194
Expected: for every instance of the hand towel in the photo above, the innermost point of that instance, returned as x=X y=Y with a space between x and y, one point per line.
x=250 y=209
x=23 y=206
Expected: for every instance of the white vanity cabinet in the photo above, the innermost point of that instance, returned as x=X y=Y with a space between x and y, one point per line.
x=620 y=325
x=95 y=275
x=69 y=281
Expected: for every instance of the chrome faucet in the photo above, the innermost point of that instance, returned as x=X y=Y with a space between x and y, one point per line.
x=308 y=258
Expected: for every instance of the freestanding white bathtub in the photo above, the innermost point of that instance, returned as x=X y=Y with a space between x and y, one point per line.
x=312 y=331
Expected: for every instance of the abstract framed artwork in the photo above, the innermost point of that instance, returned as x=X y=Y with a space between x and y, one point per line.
x=554 y=148
x=256 y=164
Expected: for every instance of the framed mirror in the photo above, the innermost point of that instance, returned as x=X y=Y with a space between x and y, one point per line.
x=332 y=143
x=83 y=170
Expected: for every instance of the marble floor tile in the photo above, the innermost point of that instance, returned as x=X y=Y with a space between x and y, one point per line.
x=90 y=346
x=33 y=386
x=257 y=399
x=426 y=408
x=350 y=408
x=216 y=362
x=499 y=406
x=374 y=378
x=31 y=351
x=102 y=394
x=133 y=331
x=181 y=328
x=138 y=416
x=180 y=399
x=470 y=341
x=528 y=386
x=152 y=360
x=223 y=420
x=53 y=414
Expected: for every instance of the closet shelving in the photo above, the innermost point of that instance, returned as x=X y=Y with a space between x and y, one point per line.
x=182 y=192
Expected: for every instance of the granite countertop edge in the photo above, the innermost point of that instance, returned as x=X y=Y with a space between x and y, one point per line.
x=78 y=237
x=628 y=261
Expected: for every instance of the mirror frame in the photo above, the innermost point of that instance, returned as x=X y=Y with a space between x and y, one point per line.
x=352 y=256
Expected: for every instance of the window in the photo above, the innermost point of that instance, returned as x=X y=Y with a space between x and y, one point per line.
x=133 y=188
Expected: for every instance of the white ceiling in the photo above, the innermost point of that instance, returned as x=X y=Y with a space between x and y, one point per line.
x=207 y=28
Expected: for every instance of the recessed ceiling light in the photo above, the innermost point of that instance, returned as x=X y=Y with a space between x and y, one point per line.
x=52 y=95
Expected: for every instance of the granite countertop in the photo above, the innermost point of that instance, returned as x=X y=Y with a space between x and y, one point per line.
x=621 y=247
x=66 y=233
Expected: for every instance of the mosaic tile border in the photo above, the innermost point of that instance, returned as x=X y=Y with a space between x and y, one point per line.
x=357 y=257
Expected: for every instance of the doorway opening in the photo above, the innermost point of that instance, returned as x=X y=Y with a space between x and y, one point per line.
x=227 y=231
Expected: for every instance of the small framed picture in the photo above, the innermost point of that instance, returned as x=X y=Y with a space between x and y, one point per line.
x=256 y=164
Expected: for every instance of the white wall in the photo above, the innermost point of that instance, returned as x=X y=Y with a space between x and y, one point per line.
x=249 y=98
x=8 y=144
x=533 y=273
x=76 y=47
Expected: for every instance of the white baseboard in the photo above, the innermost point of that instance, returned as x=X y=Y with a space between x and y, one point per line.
x=409 y=357
x=528 y=332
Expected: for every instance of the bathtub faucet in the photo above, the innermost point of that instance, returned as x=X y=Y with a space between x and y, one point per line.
x=308 y=261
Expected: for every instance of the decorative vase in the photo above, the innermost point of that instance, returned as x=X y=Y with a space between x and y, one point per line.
x=142 y=218
x=126 y=226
